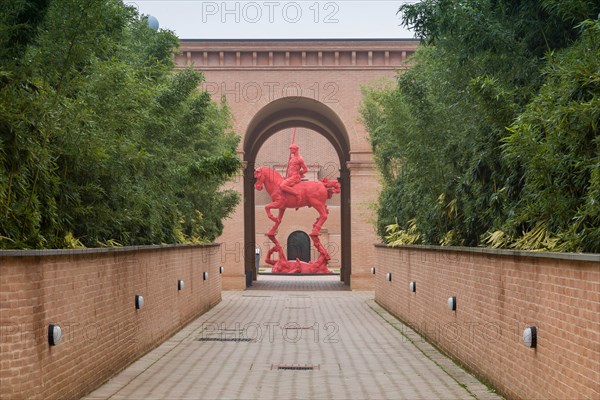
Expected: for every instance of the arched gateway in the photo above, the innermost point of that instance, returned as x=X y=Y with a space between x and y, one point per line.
x=272 y=85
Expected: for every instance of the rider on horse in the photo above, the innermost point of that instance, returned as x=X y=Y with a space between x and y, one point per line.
x=295 y=172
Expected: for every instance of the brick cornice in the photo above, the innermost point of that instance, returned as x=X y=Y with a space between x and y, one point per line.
x=295 y=54
x=297 y=45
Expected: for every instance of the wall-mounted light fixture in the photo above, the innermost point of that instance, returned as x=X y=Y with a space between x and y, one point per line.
x=530 y=336
x=180 y=284
x=452 y=303
x=413 y=286
x=221 y=269
x=54 y=334
x=388 y=276
x=205 y=275
x=139 y=301
x=373 y=270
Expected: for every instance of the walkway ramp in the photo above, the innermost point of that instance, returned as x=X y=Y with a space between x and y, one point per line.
x=294 y=339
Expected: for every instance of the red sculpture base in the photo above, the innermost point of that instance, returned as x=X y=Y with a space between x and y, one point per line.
x=284 y=266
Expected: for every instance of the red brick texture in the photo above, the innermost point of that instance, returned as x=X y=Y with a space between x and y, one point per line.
x=91 y=295
x=499 y=294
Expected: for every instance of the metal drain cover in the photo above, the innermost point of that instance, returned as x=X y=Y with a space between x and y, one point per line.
x=299 y=328
x=218 y=339
x=295 y=367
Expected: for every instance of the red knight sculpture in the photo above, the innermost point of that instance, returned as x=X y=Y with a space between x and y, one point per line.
x=291 y=192
x=295 y=171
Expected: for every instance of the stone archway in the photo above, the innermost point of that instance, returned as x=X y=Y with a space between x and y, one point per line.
x=301 y=112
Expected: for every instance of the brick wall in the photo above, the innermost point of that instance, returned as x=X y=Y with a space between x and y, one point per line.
x=90 y=294
x=499 y=294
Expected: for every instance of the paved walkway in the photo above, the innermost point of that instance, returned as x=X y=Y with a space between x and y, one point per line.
x=297 y=343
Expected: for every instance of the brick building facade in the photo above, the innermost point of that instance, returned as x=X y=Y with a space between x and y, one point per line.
x=273 y=86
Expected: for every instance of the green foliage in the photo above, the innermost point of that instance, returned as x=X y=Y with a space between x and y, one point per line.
x=19 y=21
x=440 y=135
x=397 y=236
x=556 y=144
x=101 y=142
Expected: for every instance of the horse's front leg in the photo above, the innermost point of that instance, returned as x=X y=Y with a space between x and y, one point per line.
x=280 y=216
x=268 y=209
x=277 y=219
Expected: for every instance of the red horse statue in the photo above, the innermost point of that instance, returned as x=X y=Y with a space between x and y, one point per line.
x=301 y=194
x=312 y=194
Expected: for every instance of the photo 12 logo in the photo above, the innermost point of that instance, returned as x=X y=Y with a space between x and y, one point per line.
x=318 y=12
x=290 y=332
x=254 y=92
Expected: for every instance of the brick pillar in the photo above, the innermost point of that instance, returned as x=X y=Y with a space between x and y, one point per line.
x=232 y=240
x=364 y=191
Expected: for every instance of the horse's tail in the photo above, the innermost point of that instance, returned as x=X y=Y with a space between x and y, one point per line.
x=331 y=186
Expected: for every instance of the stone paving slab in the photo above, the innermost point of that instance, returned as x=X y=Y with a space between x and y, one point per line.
x=234 y=351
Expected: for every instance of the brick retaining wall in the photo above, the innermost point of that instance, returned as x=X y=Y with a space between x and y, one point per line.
x=90 y=294
x=499 y=294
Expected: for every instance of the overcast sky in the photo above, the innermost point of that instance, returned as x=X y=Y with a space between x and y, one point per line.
x=274 y=19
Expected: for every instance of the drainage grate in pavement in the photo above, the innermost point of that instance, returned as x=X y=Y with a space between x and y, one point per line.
x=218 y=339
x=297 y=308
x=255 y=295
x=295 y=367
x=299 y=328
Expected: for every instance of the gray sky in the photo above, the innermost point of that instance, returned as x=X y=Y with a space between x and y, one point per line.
x=277 y=19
